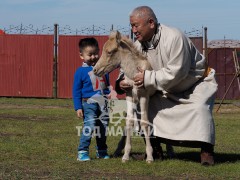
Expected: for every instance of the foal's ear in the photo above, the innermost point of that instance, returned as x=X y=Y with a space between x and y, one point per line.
x=118 y=37
x=115 y=35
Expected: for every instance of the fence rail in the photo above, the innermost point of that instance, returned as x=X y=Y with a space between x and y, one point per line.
x=65 y=30
x=90 y=30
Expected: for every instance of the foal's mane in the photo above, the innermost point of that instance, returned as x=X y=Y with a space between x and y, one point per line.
x=132 y=48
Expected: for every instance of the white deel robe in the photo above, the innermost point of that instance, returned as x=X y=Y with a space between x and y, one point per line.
x=181 y=108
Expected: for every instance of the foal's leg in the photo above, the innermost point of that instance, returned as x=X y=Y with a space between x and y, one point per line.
x=145 y=127
x=129 y=128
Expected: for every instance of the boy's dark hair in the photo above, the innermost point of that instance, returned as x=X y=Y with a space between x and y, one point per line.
x=87 y=42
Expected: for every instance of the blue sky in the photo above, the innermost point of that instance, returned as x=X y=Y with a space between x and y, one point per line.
x=221 y=17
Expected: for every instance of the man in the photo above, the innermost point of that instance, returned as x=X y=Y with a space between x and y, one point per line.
x=181 y=108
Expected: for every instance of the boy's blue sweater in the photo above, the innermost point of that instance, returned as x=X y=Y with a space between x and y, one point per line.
x=86 y=84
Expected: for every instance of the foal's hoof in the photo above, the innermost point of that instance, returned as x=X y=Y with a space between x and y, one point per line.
x=149 y=161
x=124 y=160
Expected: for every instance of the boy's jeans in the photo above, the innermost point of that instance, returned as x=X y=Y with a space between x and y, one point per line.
x=94 y=120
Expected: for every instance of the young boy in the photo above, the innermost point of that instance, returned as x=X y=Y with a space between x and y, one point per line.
x=90 y=102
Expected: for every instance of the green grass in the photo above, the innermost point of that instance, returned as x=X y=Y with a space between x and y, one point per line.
x=38 y=140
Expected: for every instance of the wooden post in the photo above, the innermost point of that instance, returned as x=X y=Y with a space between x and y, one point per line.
x=55 y=62
x=205 y=45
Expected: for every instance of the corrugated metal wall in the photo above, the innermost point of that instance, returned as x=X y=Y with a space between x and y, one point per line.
x=221 y=59
x=198 y=42
x=26 y=63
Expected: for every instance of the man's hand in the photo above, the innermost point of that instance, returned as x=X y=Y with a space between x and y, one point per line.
x=79 y=113
x=139 y=78
x=124 y=85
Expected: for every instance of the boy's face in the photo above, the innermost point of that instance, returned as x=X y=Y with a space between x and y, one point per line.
x=90 y=55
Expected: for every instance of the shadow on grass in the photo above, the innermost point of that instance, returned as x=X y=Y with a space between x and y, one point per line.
x=190 y=156
x=218 y=157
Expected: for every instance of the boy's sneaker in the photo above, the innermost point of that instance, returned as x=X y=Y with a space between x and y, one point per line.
x=102 y=154
x=83 y=156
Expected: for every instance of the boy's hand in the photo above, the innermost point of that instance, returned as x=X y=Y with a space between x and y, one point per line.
x=79 y=113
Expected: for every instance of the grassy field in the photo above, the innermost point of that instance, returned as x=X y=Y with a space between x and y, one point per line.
x=39 y=139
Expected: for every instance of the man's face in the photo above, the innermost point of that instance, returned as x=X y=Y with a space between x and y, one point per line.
x=143 y=29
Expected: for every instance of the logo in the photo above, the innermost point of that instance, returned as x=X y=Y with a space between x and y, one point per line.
x=113 y=117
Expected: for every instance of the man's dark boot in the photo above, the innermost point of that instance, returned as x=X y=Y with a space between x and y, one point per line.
x=170 y=152
x=158 y=153
x=157 y=149
x=207 y=153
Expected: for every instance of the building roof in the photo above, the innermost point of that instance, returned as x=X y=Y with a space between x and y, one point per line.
x=226 y=43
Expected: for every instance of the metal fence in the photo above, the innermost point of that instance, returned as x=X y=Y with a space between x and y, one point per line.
x=40 y=62
x=65 y=30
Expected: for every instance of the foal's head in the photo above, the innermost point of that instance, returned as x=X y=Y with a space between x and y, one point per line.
x=112 y=53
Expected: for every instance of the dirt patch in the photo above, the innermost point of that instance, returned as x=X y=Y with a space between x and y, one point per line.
x=27 y=118
x=14 y=106
x=19 y=117
x=3 y=134
x=227 y=108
